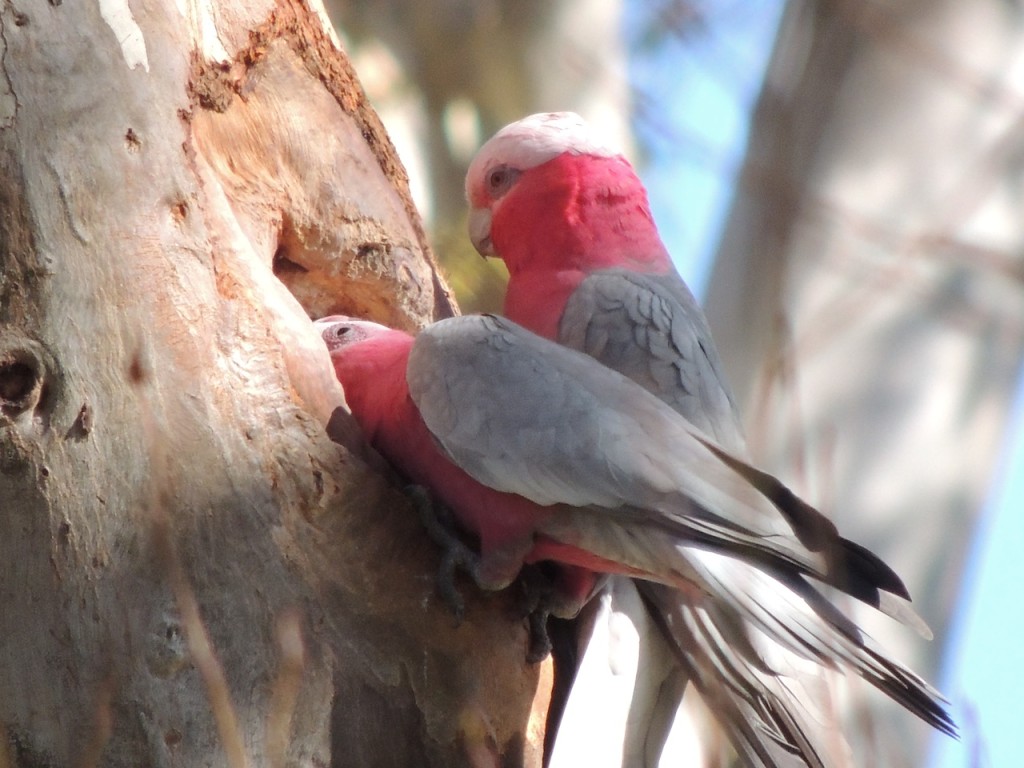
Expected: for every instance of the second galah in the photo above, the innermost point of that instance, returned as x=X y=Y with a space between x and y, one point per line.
x=546 y=455
x=588 y=269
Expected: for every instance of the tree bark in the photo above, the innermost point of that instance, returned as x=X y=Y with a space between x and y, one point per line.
x=202 y=562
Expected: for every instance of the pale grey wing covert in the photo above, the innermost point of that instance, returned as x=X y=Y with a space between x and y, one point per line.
x=641 y=485
x=553 y=425
x=651 y=329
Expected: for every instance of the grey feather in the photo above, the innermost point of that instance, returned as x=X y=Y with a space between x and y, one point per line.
x=637 y=483
x=550 y=424
x=651 y=329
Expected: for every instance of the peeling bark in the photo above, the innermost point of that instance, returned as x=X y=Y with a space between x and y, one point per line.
x=178 y=195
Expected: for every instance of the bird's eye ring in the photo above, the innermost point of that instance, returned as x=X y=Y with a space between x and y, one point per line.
x=499 y=180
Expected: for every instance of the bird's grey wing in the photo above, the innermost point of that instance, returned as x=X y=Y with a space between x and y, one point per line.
x=640 y=485
x=651 y=329
x=524 y=415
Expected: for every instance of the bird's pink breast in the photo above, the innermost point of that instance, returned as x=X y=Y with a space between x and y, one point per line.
x=578 y=212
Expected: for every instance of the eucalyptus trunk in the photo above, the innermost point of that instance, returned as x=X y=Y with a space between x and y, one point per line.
x=201 y=562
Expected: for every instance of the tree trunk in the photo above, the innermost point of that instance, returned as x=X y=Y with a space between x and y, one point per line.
x=194 y=571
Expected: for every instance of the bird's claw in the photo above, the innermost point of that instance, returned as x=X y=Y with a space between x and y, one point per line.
x=440 y=525
x=537 y=594
x=540 y=642
x=537 y=589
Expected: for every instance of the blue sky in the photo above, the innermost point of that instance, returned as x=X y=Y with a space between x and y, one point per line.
x=983 y=669
x=696 y=94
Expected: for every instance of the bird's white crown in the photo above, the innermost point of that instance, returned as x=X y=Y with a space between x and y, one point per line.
x=536 y=139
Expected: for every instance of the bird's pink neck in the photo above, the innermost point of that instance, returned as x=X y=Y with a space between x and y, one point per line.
x=372 y=373
x=536 y=298
x=578 y=212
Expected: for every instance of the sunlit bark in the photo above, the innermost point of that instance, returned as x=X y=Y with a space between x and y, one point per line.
x=193 y=569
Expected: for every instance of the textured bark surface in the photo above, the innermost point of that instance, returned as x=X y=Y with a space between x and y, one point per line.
x=182 y=186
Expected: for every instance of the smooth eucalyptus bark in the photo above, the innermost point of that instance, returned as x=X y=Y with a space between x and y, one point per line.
x=201 y=563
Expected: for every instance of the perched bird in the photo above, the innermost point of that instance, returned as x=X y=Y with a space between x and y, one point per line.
x=546 y=455
x=588 y=269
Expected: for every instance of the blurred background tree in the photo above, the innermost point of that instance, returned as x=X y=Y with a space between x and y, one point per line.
x=860 y=249
x=446 y=74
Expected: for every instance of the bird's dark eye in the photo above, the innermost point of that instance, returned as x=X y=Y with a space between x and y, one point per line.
x=500 y=179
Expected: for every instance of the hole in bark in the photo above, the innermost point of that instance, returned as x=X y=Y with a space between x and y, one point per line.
x=29 y=378
x=285 y=266
x=16 y=382
x=138 y=369
x=371 y=250
x=21 y=385
x=179 y=211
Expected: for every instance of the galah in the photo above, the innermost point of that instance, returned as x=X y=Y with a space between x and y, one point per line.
x=546 y=455
x=587 y=268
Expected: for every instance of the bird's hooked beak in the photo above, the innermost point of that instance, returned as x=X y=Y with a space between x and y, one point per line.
x=480 y=231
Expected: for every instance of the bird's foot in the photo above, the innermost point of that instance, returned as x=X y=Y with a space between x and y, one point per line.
x=539 y=646
x=455 y=553
x=558 y=591
x=538 y=595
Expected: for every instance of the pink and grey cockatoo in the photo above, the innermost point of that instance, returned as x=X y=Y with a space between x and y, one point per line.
x=570 y=218
x=546 y=455
x=588 y=269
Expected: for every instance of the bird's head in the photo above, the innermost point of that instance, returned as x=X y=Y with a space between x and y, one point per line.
x=550 y=186
x=516 y=149
x=340 y=331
